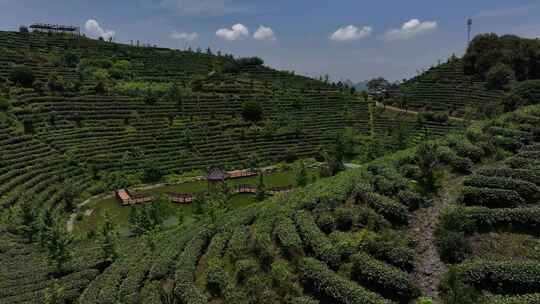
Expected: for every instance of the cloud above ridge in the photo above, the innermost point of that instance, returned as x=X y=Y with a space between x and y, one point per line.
x=351 y=33
x=93 y=28
x=411 y=29
x=237 y=32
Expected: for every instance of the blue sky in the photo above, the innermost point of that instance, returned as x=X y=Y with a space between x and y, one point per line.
x=345 y=39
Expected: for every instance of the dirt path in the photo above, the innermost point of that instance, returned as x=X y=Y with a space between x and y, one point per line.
x=400 y=110
x=429 y=268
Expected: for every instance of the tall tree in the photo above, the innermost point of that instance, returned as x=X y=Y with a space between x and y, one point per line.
x=57 y=247
x=108 y=238
x=301 y=175
x=260 y=195
x=427 y=159
x=25 y=221
x=55 y=294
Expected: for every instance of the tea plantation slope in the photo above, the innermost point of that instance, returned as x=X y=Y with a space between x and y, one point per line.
x=446 y=88
x=340 y=240
x=38 y=51
x=32 y=171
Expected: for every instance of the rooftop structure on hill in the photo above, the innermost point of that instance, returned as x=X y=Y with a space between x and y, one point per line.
x=128 y=198
x=55 y=28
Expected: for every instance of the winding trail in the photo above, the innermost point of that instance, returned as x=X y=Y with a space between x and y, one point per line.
x=400 y=110
x=429 y=268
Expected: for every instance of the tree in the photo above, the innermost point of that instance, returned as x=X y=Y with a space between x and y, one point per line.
x=22 y=75
x=457 y=292
x=151 y=97
x=427 y=159
x=107 y=237
x=71 y=59
x=46 y=223
x=120 y=69
x=28 y=126
x=4 y=104
x=252 y=111
x=499 y=77
x=301 y=175
x=260 y=195
x=152 y=174
x=148 y=217
x=55 y=82
x=69 y=195
x=378 y=86
x=102 y=78
x=57 y=247
x=25 y=222
x=55 y=294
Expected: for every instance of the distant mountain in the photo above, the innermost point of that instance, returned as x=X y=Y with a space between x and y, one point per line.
x=359 y=86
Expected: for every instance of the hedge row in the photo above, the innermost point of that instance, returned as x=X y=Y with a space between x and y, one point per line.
x=458 y=163
x=518 y=162
x=315 y=240
x=526 y=190
x=393 y=254
x=522 y=299
x=502 y=277
x=287 y=236
x=532 y=176
x=492 y=198
x=386 y=280
x=395 y=212
x=486 y=219
x=321 y=279
x=186 y=267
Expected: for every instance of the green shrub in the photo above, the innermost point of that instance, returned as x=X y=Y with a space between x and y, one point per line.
x=507 y=143
x=486 y=219
x=4 y=104
x=391 y=252
x=395 y=212
x=326 y=222
x=315 y=240
x=459 y=164
x=56 y=83
x=493 y=198
x=322 y=279
x=252 y=111
x=387 y=280
x=528 y=90
x=526 y=190
x=512 y=277
x=532 y=176
x=22 y=75
x=455 y=291
x=499 y=77
x=533 y=298
x=411 y=199
x=453 y=246
x=285 y=232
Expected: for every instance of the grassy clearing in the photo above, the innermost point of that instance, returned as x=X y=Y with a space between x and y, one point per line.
x=120 y=214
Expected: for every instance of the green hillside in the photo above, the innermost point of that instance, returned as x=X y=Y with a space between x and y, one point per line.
x=446 y=88
x=375 y=205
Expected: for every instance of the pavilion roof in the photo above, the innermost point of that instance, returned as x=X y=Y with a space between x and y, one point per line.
x=216 y=174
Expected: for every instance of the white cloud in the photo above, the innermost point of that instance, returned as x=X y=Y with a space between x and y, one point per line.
x=200 y=7
x=351 y=33
x=238 y=31
x=410 y=29
x=93 y=28
x=184 y=36
x=265 y=33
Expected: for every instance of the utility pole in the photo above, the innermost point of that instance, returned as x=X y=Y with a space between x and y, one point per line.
x=469 y=30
